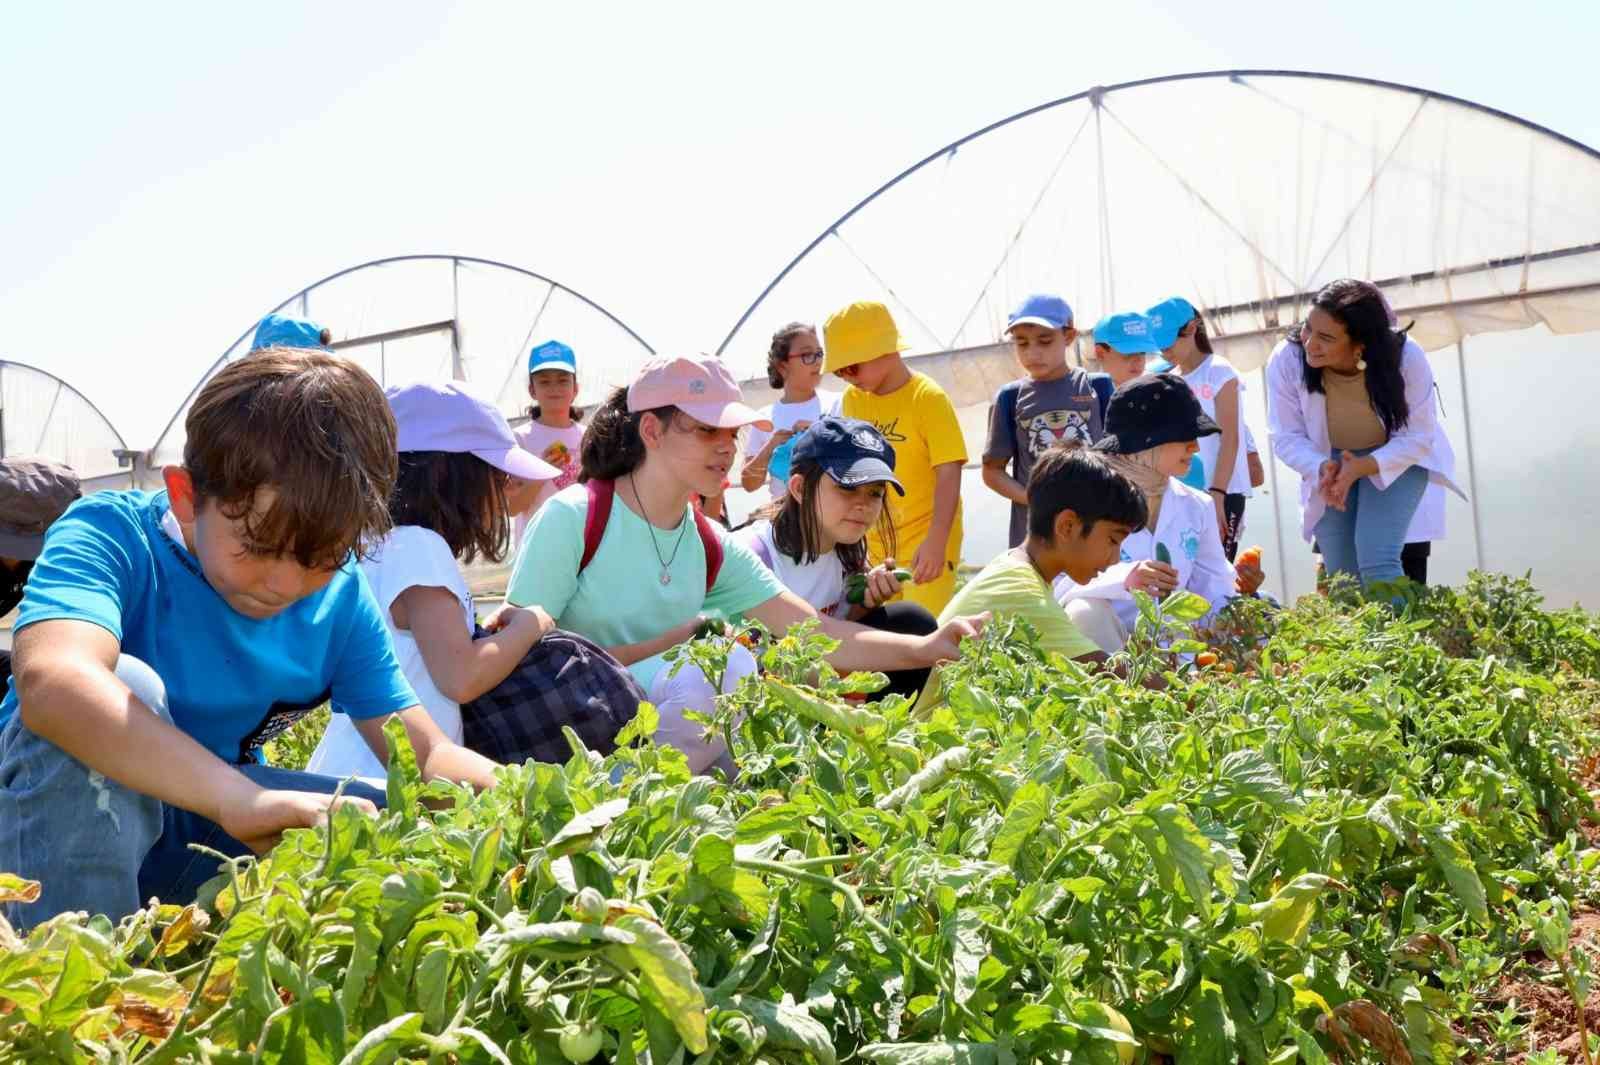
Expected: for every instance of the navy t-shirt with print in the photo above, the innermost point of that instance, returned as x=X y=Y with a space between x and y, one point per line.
x=232 y=682
x=1043 y=413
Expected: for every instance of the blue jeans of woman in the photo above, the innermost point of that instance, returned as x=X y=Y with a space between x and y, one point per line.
x=1366 y=537
x=95 y=845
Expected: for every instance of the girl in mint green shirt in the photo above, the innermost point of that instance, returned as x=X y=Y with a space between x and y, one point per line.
x=670 y=435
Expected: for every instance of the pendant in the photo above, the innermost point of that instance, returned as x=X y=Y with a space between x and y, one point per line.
x=666 y=578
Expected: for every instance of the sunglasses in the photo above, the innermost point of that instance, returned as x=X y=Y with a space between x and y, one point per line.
x=848 y=372
x=810 y=358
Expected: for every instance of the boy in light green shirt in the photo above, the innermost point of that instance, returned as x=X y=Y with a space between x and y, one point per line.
x=1079 y=512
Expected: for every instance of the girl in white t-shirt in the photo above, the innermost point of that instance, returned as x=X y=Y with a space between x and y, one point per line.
x=449 y=506
x=554 y=431
x=794 y=364
x=1181 y=332
x=816 y=544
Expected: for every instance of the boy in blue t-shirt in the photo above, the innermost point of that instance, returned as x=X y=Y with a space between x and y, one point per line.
x=164 y=637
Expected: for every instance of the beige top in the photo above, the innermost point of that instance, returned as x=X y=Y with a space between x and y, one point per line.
x=1352 y=423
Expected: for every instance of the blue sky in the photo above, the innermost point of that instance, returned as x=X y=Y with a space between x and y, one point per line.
x=173 y=170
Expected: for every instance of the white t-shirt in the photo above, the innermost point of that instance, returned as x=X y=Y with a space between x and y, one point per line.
x=820 y=583
x=409 y=557
x=558 y=447
x=784 y=416
x=1205 y=382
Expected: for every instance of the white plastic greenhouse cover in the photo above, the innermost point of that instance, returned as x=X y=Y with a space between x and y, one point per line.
x=40 y=414
x=1246 y=191
x=445 y=316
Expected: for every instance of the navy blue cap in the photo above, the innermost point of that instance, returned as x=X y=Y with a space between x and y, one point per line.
x=1153 y=410
x=849 y=450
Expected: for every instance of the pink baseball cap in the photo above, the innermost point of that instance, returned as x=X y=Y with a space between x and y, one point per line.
x=445 y=416
x=701 y=387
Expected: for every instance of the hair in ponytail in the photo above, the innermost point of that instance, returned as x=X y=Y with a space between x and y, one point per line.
x=612 y=446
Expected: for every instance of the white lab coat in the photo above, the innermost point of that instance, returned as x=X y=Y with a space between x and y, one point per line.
x=1298 y=423
x=1187 y=524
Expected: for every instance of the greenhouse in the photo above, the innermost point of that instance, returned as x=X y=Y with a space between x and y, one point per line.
x=1245 y=191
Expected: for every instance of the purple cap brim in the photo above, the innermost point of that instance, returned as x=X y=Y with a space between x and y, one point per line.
x=520 y=463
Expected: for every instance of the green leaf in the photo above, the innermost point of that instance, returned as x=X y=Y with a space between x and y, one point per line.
x=1083 y=888
x=788 y=1027
x=380 y=1043
x=433 y=987
x=1087 y=801
x=968 y=948
x=69 y=998
x=360 y=907
x=1177 y=845
x=310 y=1032
x=1184 y=605
x=742 y=892
x=667 y=974
x=1247 y=774
x=1211 y=1039
x=761 y=823
x=948 y=1053
x=1286 y=916
x=404 y=778
x=484 y=853
x=642 y=727
x=1459 y=872
x=1029 y=807
x=578 y=834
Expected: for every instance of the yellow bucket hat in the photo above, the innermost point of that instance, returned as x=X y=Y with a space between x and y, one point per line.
x=859 y=333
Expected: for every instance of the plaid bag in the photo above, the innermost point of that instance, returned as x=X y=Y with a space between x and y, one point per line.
x=564 y=679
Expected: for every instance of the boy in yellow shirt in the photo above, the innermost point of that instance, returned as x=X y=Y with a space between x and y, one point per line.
x=863 y=346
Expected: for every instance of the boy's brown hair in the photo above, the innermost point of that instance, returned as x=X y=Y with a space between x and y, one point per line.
x=312 y=426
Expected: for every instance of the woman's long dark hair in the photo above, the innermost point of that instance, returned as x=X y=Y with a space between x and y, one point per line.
x=612 y=446
x=457 y=495
x=795 y=531
x=1360 y=308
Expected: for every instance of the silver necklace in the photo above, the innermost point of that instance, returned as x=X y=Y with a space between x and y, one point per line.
x=683 y=527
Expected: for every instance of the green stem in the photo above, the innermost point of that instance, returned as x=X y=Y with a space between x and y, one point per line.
x=467 y=900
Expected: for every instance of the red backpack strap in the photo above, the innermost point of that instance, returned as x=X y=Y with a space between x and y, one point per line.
x=713 y=546
x=601 y=493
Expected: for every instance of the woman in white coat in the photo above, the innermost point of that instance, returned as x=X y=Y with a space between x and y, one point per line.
x=1351 y=409
x=1153 y=427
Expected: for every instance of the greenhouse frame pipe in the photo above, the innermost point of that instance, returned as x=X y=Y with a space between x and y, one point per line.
x=456 y=260
x=1098 y=92
x=62 y=383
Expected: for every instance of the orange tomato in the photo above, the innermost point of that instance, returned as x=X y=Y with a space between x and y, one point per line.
x=1205 y=659
x=1250 y=556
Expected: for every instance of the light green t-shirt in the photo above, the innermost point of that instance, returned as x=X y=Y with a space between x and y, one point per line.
x=619 y=598
x=1009 y=587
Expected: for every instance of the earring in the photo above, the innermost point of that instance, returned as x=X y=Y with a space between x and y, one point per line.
x=1361 y=364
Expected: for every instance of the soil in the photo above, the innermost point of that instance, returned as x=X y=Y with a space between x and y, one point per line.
x=1552 y=1020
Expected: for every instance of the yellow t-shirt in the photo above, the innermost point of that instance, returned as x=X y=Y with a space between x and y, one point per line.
x=919 y=420
x=1010 y=587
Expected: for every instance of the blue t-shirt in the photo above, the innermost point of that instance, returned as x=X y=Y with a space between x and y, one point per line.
x=232 y=682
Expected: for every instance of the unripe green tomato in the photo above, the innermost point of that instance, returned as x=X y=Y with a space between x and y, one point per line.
x=579 y=1042
x=590 y=905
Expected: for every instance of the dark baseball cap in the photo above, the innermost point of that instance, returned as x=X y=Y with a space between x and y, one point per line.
x=33 y=493
x=1153 y=410
x=849 y=450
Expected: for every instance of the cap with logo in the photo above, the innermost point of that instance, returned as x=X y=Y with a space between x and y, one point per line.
x=1128 y=333
x=700 y=386
x=849 y=450
x=552 y=355
x=34 y=492
x=1167 y=320
x=1041 y=308
x=859 y=333
x=287 y=331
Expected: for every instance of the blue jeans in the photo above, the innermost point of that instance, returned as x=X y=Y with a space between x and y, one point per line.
x=1366 y=537
x=95 y=845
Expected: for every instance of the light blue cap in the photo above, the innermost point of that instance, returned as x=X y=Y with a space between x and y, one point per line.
x=287 y=331
x=1128 y=333
x=1167 y=320
x=552 y=355
x=1052 y=312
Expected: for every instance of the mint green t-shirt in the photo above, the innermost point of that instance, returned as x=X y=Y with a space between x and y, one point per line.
x=619 y=598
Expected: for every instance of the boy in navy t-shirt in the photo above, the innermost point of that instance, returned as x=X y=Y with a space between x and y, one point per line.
x=164 y=637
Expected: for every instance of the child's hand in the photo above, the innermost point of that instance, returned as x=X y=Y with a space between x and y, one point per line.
x=882 y=585
x=532 y=619
x=1248 y=577
x=1151 y=577
x=945 y=644
x=927 y=565
x=259 y=818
